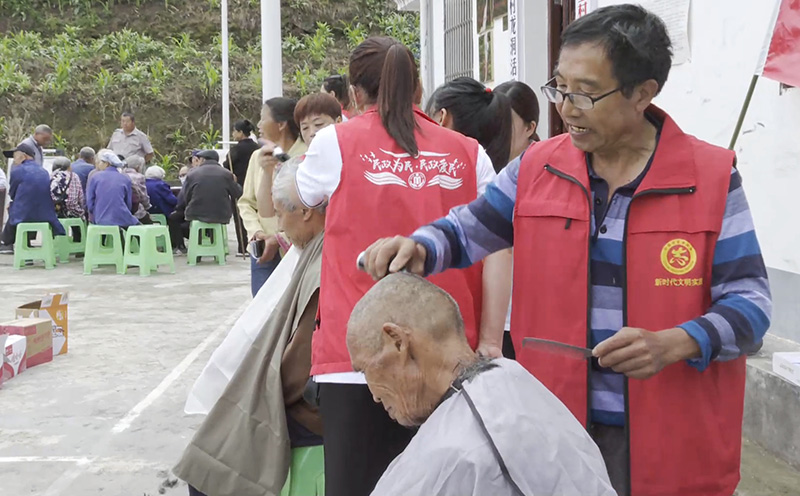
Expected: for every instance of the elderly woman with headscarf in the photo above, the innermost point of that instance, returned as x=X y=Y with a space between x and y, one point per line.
x=66 y=190
x=109 y=195
x=162 y=199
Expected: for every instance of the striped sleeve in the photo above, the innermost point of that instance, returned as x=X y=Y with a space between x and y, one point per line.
x=740 y=313
x=471 y=232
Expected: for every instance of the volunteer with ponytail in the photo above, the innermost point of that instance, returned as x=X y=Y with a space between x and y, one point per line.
x=382 y=173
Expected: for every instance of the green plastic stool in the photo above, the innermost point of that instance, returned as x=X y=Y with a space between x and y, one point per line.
x=159 y=219
x=66 y=245
x=207 y=238
x=201 y=243
x=98 y=253
x=307 y=473
x=143 y=250
x=46 y=252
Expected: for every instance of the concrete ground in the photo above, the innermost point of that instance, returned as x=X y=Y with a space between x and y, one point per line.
x=107 y=418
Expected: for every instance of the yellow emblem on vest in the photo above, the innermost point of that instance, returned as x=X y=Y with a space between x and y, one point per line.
x=678 y=257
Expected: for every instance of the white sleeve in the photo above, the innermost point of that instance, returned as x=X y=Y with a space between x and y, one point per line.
x=3 y=184
x=320 y=173
x=485 y=170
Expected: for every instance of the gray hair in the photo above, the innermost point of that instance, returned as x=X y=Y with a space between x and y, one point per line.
x=86 y=153
x=284 y=187
x=43 y=129
x=61 y=163
x=135 y=162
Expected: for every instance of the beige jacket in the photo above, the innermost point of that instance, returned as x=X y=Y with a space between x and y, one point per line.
x=243 y=448
x=248 y=204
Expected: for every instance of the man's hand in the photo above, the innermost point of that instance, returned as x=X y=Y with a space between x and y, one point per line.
x=489 y=350
x=271 y=247
x=390 y=255
x=641 y=354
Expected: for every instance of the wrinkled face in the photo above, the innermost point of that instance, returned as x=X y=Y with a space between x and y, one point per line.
x=586 y=69
x=395 y=380
x=295 y=224
x=313 y=123
x=127 y=125
x=521 y=133
x=267 y=127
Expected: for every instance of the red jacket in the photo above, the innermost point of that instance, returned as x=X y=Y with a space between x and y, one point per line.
x=683 y=426
x=382 y=192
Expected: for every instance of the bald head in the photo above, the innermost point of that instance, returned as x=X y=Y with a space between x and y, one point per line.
x=407 y=301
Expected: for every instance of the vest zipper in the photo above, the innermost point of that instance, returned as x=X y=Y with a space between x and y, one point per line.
x=575 y=180
x=666 y=191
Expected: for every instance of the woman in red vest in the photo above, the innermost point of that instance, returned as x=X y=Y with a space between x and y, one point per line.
x=385 y=171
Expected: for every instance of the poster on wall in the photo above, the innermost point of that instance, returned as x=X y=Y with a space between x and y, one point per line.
x=675 y=14
x=583 y=7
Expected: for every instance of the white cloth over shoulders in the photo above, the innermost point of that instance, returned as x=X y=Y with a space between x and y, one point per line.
x=545 y=448
x=229 y=354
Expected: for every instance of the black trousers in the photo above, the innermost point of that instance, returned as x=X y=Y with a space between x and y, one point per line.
x=178 y=230
x=361 y=440
x=508 y=347
x=614 y=448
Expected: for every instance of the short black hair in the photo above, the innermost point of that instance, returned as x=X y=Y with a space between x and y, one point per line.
x=244 y=126
x=129 y=114
x=636 y=42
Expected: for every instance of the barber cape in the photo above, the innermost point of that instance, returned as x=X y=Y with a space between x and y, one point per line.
x=547 y=452
x=243 y=447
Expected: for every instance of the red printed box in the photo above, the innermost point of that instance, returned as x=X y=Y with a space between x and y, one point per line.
x=54 y=306
x=39 y=336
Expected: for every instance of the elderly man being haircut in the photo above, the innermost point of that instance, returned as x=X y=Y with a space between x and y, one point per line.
x=243 y=446
x=486 y=426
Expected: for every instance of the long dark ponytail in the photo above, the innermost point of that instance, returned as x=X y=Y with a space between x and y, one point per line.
x=386 y=70
x=479 y=113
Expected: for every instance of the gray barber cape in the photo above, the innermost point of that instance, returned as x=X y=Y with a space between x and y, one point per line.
x=545 y=448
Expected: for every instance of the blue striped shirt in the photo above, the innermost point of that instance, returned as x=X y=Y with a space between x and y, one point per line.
x=741 y=302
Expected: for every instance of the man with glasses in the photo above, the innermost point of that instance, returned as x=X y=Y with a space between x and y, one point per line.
x=632 y=239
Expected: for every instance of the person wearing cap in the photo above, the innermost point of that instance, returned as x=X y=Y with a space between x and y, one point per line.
x=128 y=140
x=207 y=196
x=30 y=196
x=109 y=193
x=162 y=199
x=42 y=136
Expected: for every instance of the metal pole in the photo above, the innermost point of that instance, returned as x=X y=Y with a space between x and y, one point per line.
x=271 y=50
x=743 y=113
x=226 y=105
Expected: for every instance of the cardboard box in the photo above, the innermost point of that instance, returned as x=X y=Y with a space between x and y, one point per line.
x=39 y=336
x=787 y=365
x=15 y=356
x=55 y=307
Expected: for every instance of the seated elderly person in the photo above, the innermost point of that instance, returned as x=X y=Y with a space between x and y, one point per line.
x=66 y=190
x=109 y=196
x=162 y=199
x=487 y=426
x=207 y=195
x=29 y=190
x=242 y=447
x=140 y=199
x=84 y=165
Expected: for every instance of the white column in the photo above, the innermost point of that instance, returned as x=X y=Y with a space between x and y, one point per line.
x=533 y=44
x=226 y=105
x=271 y=54
x=437 y=43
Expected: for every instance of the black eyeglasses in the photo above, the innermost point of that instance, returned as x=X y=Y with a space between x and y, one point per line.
x=578 y=100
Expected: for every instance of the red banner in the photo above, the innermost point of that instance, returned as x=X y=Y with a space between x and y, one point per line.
x=783 y=58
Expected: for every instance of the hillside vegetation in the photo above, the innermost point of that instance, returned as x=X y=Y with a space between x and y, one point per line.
x=77 y=64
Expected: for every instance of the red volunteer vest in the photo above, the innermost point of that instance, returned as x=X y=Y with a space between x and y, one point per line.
x=383 y=192
x=684 y=427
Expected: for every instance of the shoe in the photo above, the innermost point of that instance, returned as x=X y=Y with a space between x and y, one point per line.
x=179 y=252
x=6 y=250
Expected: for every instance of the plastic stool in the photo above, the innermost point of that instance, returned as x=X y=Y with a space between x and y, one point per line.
x=159 y=219
x=146 y=253
x=201 y=244
x=307 y=473
x=207 y=238
x=98 y=253
x=66 y=245
x=46 y=252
